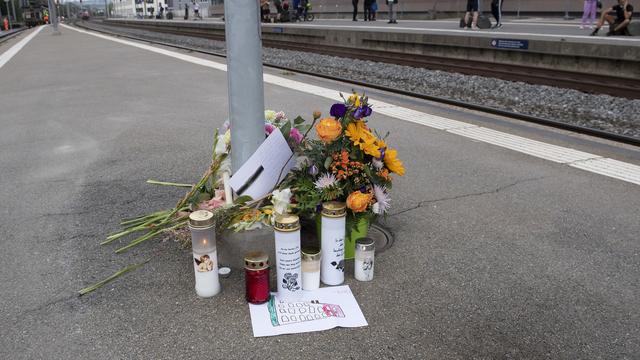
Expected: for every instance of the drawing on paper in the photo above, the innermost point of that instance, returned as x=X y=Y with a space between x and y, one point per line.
x=283 y=313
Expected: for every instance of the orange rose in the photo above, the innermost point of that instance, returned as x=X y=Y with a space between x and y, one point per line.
x=358 y=202
x=328 y=129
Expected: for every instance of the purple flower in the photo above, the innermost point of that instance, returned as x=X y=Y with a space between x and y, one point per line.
x=268 y=128
x=338 y=110
x=362 y=111
x=313 y=170
x=296 y=135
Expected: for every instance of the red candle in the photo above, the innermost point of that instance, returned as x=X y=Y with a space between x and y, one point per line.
x=256 y=275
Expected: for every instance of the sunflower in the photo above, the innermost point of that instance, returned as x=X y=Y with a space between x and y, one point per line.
x=392 y=162
x=362 y=138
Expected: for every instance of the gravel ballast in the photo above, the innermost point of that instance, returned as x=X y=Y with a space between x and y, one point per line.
x=613 y=114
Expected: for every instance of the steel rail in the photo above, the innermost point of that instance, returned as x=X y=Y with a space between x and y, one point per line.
x=470 y=106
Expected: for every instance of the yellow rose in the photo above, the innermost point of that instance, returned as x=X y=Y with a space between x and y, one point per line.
x=328 y=129
x=358 y=202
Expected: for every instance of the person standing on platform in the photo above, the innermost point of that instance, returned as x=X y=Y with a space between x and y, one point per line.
x=186 y=11
x=496 y=10
x=355 y=9
x=589 y=11
x=618 y=26
x=374 y=10
x=196 y=11
x=472 y=7
x=392 y=11
x=367 y=10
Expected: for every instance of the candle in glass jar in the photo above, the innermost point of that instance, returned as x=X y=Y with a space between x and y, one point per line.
x=205 y=255
x=287 y=237
x=310 y=268
x=333 y=227
x=256 y=275
x=364 y=260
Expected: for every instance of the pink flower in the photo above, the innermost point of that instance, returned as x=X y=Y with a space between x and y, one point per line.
x=217 y=201
x=296 y=135
x=268 y=128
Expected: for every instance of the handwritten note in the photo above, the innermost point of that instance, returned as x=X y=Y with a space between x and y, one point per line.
x=271 y=162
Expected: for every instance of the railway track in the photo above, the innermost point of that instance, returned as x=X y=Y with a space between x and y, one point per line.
x=6 y=37
x=486 y=109
x=586 y=82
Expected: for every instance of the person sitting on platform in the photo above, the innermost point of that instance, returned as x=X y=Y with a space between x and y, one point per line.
x=618 y=26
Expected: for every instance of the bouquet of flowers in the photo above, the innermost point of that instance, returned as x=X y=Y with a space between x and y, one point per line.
x=349 y=162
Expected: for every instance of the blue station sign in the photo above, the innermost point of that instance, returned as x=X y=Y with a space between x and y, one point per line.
x=514 y=44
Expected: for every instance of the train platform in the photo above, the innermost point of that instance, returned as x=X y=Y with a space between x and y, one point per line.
x=535 y=42
x=511 y=240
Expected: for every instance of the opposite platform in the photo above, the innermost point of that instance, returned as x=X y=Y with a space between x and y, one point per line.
x=543 y=45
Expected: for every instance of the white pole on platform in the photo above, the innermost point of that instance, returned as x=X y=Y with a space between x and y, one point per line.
x=13 y=10
x=245 y=83
x=53 y=17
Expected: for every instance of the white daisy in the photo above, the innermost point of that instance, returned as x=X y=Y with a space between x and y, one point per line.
x=325 y=180
x=382 y=198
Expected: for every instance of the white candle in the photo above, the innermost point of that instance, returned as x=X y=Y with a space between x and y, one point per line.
x=205 y=267
x=205 y=256
x=364 y=259
x=310 y=268
x=288 y=264
x=332 y=242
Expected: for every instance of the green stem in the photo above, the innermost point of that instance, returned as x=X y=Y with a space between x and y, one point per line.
x=150 y=235
x=111 y=278
x=165 y=183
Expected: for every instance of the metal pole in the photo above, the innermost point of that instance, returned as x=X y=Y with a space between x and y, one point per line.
x=1 y=25
x=518 y=9
x=106 y=10
x=53 y=17
x=566 y=10
x=244 y=73
x=13 y=9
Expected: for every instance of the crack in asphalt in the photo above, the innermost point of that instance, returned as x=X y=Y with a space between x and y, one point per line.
x=494 y=191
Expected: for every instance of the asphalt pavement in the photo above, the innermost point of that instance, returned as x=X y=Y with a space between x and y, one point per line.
x=498 y=255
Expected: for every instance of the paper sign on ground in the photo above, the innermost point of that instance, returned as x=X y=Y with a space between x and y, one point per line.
x=317 y=310
x=259 y=174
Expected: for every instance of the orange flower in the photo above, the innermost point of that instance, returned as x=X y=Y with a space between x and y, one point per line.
x=358 y=202
x=328 y=129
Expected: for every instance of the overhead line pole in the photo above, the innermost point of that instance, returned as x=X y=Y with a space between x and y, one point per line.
x=245 y=78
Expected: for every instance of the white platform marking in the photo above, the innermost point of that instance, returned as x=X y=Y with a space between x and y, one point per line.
x=7 y=55
x=578 y=159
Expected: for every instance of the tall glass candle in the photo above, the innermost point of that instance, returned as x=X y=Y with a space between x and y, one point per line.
x=310 y=268
x=333 y=229
x=205 y=255
x=256 y=276
x=364 y=261
x=287 y=234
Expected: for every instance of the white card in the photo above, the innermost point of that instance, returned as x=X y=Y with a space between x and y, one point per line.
x=259 y=174
x=322 y=309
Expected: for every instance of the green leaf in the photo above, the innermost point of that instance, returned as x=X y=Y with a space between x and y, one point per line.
x=298 y=120
x=111 y=278
x=243 y=199
x=286 y=129
x=327 y=162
